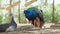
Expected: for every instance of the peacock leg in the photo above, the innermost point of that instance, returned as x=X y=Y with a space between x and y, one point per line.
x=33 y=22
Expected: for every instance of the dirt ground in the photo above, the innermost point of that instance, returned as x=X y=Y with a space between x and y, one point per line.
x=29 y=29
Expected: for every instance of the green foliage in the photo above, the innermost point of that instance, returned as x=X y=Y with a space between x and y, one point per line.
x=7 y=19
x=0 y=19
x=47 y=15
x=22 y=18
x=57 y=12
x=56 y=17
x=0 y=0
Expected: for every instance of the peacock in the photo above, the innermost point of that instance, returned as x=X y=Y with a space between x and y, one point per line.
x=8 y=26
x=32 y=14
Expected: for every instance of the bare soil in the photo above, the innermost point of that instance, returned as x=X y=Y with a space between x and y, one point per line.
x=29 y=29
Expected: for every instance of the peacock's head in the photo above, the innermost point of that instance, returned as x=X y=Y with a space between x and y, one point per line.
x=25 y=11
x=29 y=10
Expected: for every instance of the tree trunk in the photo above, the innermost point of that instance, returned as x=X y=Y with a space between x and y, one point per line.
x=19 y=12
x=46 y=2
x=10 y=13
x=0 y=5
x=53 y=13
x=10 y=9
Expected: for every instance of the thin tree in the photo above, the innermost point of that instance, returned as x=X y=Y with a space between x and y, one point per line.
x=19 y=12
x=53 y=12
x=46 y=2
x=0 y=3
x=10 y=13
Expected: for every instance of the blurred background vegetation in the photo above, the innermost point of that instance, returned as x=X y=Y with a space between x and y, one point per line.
x=45 y=5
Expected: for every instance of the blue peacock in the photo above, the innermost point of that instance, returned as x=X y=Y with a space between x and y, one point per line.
x=32 y=13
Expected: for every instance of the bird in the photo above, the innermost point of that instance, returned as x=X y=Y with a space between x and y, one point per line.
x=8 y=26
x=34 y=14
